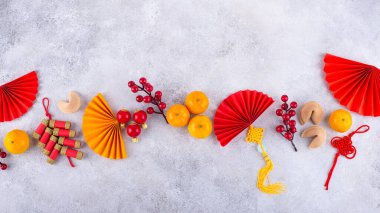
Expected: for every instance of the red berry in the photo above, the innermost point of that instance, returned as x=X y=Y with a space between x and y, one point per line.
x=284 y=98
x=280 y=128
x=285 y=117
x=293 y=105
x=288 y=136
x=162 y=105
x=158 y=93
x=139 y=98
x=292 y=113
x=157 y=99
x=293 y=129
x=284 y=106
x=292 y=123
x=4 y=166
x=148 y=87
x=123 y=116
x=134 y=89
x=150 y=110
x=147 y=99
x=133 y=130
x=131 y=83
x=142 y=80
x=140 y=117
x=3 y=154
x=279 y=112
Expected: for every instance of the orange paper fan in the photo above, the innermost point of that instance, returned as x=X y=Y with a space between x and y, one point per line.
x=102 y=131
x=237 y=112
x=354 y=84
x=17 y=96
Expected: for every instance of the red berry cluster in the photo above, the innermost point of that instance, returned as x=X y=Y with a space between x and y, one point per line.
x=288 y=129
x=3 y=154
x=149 y=98
x=133 y=128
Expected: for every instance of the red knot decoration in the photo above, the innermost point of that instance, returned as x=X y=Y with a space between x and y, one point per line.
x=345 y=148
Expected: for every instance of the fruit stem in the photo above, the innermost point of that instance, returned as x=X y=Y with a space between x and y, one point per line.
x=154 y=102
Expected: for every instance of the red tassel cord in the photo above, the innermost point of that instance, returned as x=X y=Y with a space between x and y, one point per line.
x=46 y=107
x=345 y=148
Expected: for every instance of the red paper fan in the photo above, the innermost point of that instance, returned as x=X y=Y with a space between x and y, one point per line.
x=354 y=84
x=237 y=112
x=17 y=96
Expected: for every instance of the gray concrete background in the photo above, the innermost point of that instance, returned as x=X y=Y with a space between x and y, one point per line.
x=218 y=47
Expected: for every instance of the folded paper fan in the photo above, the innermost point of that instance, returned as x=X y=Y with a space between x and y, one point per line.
x=354 y=84
x=17 y=96
x=237 y=112
x=101 y=129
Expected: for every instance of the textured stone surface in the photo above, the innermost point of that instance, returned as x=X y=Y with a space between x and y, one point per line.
x=215 y=46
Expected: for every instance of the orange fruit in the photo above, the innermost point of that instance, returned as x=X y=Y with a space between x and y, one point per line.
x=340 y=120
x=178 y=115
x=16 y=141
x=197 y=102
x=200 y=126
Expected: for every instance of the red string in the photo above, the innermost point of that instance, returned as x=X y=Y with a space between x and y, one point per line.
x=345 y=148
x=46 y=107
x=71 y=163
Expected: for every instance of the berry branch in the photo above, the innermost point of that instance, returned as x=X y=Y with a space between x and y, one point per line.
x=3 y=154
x=289 y=128
x=149 y=98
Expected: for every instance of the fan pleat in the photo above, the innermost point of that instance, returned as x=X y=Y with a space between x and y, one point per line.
x=18 y=96
x=237 y=112
x=101 y=129
x=354 y=84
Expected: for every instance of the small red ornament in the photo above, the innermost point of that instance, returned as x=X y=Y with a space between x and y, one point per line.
x=3 y=166
x=133 y=130
x=140 y=117
x=123 y=116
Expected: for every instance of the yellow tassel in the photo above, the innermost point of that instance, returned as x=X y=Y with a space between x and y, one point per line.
x=255 y=135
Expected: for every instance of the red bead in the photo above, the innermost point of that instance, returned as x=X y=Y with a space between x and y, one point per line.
x=288 y=136
x=284 y=98
x=140 y=117
x=134 y=89
x=158 y=93
x=4 y=166
x=133 y=130
x=280 y=128
x=123 y=116
x=147 y=99
x=142 y=80
x=285 y=117
x=284 y=106
x=150 y=110
x=293 y=129
x=139 y=98
x=293 y=105
x=3 y=154
x=131 y=83
x=162 y=105
x=279 y=112
x=292 y=123
x=292 y=113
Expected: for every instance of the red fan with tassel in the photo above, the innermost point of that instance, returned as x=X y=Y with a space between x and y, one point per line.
x=17 y=96
x=237 y=112
x=354 y=84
